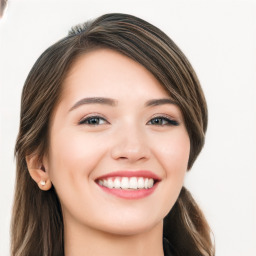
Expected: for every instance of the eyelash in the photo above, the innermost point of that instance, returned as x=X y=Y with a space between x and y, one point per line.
x=86 y=120
x=167 y=121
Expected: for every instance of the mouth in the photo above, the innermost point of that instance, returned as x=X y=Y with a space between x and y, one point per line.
x=129 y=184
x=134 y=183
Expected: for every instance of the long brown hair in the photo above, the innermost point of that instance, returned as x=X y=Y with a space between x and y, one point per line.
x=37 y=224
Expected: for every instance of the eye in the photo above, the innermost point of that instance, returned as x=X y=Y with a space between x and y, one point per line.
x=162 y=121
x=93 y=121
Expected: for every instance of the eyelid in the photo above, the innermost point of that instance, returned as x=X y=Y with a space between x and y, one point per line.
x=163 y=115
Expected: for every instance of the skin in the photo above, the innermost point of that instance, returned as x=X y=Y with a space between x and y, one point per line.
x=127 y=135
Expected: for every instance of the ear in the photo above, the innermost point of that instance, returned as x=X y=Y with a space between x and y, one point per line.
x=38 y=173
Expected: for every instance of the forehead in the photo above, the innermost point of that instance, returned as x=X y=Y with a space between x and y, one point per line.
x=108 y=72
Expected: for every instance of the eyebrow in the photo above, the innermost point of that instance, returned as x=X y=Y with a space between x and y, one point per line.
x=157 y=102
x=94 y=100
x=112 y=102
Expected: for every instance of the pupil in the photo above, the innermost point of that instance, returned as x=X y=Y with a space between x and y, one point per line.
x=157 y=121
x=94 y=121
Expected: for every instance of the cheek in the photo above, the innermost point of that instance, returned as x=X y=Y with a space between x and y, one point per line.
x=73 y=154
x=173 y=152
x=174 y=156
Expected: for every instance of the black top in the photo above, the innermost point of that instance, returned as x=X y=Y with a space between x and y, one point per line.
x=168 y=249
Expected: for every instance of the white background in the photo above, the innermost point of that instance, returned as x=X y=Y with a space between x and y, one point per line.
x=219 y=38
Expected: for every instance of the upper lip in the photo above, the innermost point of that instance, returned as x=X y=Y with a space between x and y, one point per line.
x=126 y=173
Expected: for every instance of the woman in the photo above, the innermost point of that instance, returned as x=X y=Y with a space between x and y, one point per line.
x=112 y=117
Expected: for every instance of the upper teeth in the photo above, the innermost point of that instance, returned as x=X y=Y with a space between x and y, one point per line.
x=127 y=183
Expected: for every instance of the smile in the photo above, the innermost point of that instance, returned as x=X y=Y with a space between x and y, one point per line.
x=129 y=184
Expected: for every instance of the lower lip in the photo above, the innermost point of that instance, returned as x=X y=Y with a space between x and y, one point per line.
x=129 y=193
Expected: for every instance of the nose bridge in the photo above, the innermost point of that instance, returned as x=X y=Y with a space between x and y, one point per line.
x=130 y=143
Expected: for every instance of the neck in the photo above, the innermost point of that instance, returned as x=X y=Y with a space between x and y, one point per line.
x=86 y=241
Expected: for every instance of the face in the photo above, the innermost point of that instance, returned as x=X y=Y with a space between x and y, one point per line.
x=118 y=149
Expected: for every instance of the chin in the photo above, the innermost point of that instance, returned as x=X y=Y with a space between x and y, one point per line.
x=129 y=227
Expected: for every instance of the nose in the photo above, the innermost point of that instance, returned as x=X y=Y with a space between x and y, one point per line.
x=130 y=145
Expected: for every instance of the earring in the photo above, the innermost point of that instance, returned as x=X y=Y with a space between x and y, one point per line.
x=42 y=182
